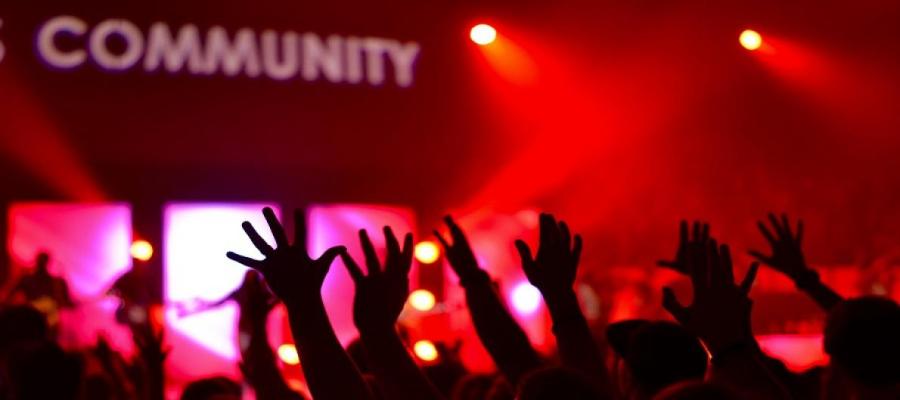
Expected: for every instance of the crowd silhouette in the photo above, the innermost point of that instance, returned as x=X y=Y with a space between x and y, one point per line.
x=706 y=351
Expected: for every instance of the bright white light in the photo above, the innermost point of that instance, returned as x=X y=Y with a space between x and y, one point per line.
x=425 y=350
x=427 y=252
x=750 y=39
x=483 y=34
x=288 y=354
x=141 y=250
x=421 y=300
x=526 y=299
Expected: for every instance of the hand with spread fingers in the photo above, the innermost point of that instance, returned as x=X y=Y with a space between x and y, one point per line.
x=720 y=312
x=552 y=270
x=459 y=253
x=787 y=253
x=380 y=294
x=288 y=269
x=699 y=234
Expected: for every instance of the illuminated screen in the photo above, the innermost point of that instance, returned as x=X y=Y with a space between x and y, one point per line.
x=89 y=248
x=197 y=236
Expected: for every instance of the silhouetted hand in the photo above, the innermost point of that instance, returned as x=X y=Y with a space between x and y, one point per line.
x=699 y=234
x=787 y=254
x=288 y=269
x=380 y=295
x=459 y=253
x=554 y=267
x=720 y=313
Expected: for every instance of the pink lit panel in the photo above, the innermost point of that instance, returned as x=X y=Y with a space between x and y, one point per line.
x=89 y=247
x=197 y=236
x=799 y=352
x=331 y=225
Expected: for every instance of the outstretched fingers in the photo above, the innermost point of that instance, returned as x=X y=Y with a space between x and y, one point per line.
x=673 y=306
x=353 y=269
x=524 y=253
x=372 y=264
x=244 y=260
x=257 y=240
x=275 y=226
x=747 y=283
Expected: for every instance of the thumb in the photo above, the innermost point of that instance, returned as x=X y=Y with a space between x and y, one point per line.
x=329 y=255
x=524 y=253
x=673 y=306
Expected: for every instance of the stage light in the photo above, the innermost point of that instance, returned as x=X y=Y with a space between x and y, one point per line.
x=141 y=250
x=483 y=34
x=421 y=300
x=750 y=39
x=288 y=354
x=526 y=298
x=425 y=350
x=427 y=252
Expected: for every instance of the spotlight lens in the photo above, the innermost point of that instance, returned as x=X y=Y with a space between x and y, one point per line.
x=750 y=39
x=421 y=300
x=526 y=298
x=427 y=252
x=288 y=354
x=425 y=350
x=483 y=34
x=141 y=250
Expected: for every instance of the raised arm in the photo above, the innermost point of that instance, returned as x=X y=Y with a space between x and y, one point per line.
x=720 y=316
x=297 y=279
x=787 y=258
x=552 y=270
x=498 y=331
x=380 y=297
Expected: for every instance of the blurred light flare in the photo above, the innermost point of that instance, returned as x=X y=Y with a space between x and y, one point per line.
x=427 y=252
x=426 y=350
x=141 y=250
x=288 y=354
x=422 y=300
x=483 y=34
x=526 y=299
x=750 y=39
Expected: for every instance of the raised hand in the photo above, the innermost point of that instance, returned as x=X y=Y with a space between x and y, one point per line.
x=720 y=313
x=380 y=295
x=289 y=270
x=459 y=253
x=699 y=234
x=787 y=254
x=552 y=270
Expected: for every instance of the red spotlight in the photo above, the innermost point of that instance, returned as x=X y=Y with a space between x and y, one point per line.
x=750 y=39
x=483 y=34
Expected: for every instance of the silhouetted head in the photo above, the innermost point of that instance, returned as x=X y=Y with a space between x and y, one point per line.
x=697 y=390
x=21 y=324
x=655 y=354
x=557 y=383
x=216 y=388
x=42 y=370
x=862 y=336
x=42 y=262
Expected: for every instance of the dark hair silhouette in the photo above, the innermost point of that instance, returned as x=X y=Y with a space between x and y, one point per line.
x=862 y=336
x=558 y=383
x=211 y=388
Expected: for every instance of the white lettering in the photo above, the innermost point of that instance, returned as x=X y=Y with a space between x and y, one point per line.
x=47 y=49
x=403 y=56
x=233 y=57
x=353 y=60
x=134 y=44
x=289 y=64
x=319 y=57
x=173 y=53
x=2 y=49
x=374 y=49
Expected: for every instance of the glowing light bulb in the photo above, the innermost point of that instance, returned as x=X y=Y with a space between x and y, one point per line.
x=526 y=299
x=750 y=39
x=427 y=252
x=422 y=300
x=425 y=350
x=483 y=34
x=288 y=354
x=142 y=250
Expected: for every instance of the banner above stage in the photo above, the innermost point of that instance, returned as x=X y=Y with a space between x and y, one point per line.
x=114 y=45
